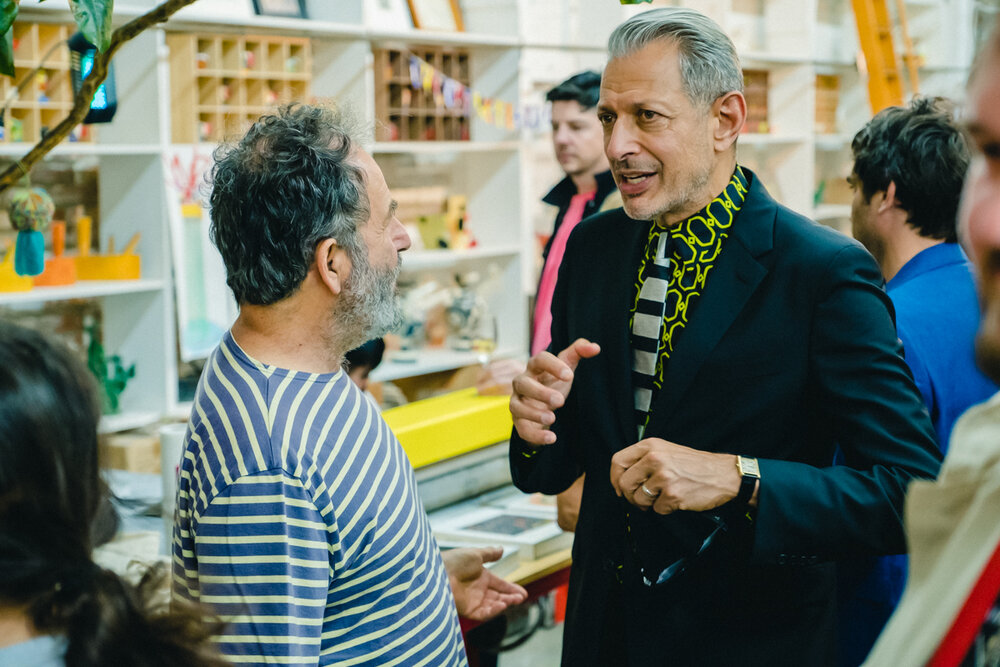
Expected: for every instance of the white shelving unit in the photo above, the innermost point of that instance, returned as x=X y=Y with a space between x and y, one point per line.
x=402 y=365
x=518 y=49
x=132 y=154
x=137 y=315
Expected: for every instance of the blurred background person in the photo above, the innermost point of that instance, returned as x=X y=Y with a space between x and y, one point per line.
x=950 y=610
x=58 y=607
x=909 y=163
x=362 y=360
x=587 y=188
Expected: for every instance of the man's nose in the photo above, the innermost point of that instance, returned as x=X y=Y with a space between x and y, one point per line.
x=400 y=237
x=619 y=141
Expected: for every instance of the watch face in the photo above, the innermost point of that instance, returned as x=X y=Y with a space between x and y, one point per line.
x=748 y=466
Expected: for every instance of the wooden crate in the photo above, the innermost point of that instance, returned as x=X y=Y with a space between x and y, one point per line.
x=136 y=452
x=827 y=99
x=406 y=114
x=755 y=91
x=220 y=84
x=47 y=95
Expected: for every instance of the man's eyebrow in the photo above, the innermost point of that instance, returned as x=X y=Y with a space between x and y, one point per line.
x=974 y=128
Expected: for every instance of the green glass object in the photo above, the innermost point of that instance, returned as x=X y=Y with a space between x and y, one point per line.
x=111 y=375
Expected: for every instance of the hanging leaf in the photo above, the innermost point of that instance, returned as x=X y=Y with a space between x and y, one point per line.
x=8 y=12
x=7 y=53
x=94 y=20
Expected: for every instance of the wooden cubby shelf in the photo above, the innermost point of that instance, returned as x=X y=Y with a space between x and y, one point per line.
x=221 y=84
x=405 y=114
x=42 y=69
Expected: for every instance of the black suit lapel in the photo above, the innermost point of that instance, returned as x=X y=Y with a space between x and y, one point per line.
x=619 y=347
x=732 y=281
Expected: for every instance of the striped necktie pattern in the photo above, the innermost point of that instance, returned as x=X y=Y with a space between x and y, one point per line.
x=647 y=322
x=670 y=282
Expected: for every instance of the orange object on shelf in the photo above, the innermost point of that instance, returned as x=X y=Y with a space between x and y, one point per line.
x=125 y=265
x=59 y=269
x=9 y=280
x=83 y=229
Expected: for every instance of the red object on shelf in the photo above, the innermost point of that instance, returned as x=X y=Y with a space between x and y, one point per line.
x=559 y=613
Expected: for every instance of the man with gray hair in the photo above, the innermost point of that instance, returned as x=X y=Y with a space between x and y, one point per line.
x=708 y=375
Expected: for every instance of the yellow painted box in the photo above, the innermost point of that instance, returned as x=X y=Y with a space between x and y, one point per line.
x=108 y=267
x=442 y=427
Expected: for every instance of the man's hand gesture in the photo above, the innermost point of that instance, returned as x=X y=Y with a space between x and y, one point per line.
x=543 y=387
x=479 y=594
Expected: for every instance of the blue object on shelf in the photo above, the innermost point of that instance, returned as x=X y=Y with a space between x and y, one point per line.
x=105 y=102
x=29 y=254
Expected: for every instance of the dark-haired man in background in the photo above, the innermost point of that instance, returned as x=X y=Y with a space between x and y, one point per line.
x=587 y=188
x=950 y=612
x=909 y=163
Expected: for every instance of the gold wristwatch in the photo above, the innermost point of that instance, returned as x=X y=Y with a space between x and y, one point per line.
x=750 y=475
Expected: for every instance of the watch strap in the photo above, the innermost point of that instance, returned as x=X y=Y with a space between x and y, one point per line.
x=747 y=485
x=749 y=476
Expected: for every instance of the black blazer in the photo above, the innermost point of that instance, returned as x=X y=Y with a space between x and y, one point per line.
x=790 y=352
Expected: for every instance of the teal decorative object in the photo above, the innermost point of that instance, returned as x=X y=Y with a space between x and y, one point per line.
x=31 y=211
x=29 y=253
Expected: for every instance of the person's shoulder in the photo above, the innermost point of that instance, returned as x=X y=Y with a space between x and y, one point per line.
x=612 y=200
x=797 y=238
x=611 y=222
x=795 y=234
x=801 y=229
x=608 y=233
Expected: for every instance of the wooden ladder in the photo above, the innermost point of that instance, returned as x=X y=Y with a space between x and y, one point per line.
x=885 y=83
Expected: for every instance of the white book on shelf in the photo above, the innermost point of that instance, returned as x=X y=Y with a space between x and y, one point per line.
x=535 y=536
x=527 y=503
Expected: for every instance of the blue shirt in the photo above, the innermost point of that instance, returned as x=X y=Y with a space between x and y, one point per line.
x=298 y=523
x=44 y=651
x=937 y=315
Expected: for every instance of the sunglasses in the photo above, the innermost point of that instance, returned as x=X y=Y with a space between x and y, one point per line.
x=680 y=565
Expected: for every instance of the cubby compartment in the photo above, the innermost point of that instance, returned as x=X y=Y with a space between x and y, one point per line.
x=407 y=108
x=239 y=77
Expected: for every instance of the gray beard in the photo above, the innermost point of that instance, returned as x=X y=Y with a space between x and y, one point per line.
x=368 y=306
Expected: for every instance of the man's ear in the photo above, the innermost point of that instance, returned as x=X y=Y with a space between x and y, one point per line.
x=889 y=201
x=729 y=113
x=332 y=264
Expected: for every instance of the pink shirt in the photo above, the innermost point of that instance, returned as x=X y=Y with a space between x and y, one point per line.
x=541 y=334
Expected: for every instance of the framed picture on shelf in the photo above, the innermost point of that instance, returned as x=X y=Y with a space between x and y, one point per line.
x=436 y=15
x=295 y=9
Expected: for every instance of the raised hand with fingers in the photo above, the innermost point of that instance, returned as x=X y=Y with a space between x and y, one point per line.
x=543 y=387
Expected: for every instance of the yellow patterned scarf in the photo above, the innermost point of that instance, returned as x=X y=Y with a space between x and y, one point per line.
x=696 y=244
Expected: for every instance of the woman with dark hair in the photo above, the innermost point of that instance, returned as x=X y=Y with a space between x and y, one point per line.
x=362 y=360
x=57 y=607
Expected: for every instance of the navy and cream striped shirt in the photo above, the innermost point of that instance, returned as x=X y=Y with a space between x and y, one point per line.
x=298 y=523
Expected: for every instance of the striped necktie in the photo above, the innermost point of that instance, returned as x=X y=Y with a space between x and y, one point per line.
x=647 y=325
